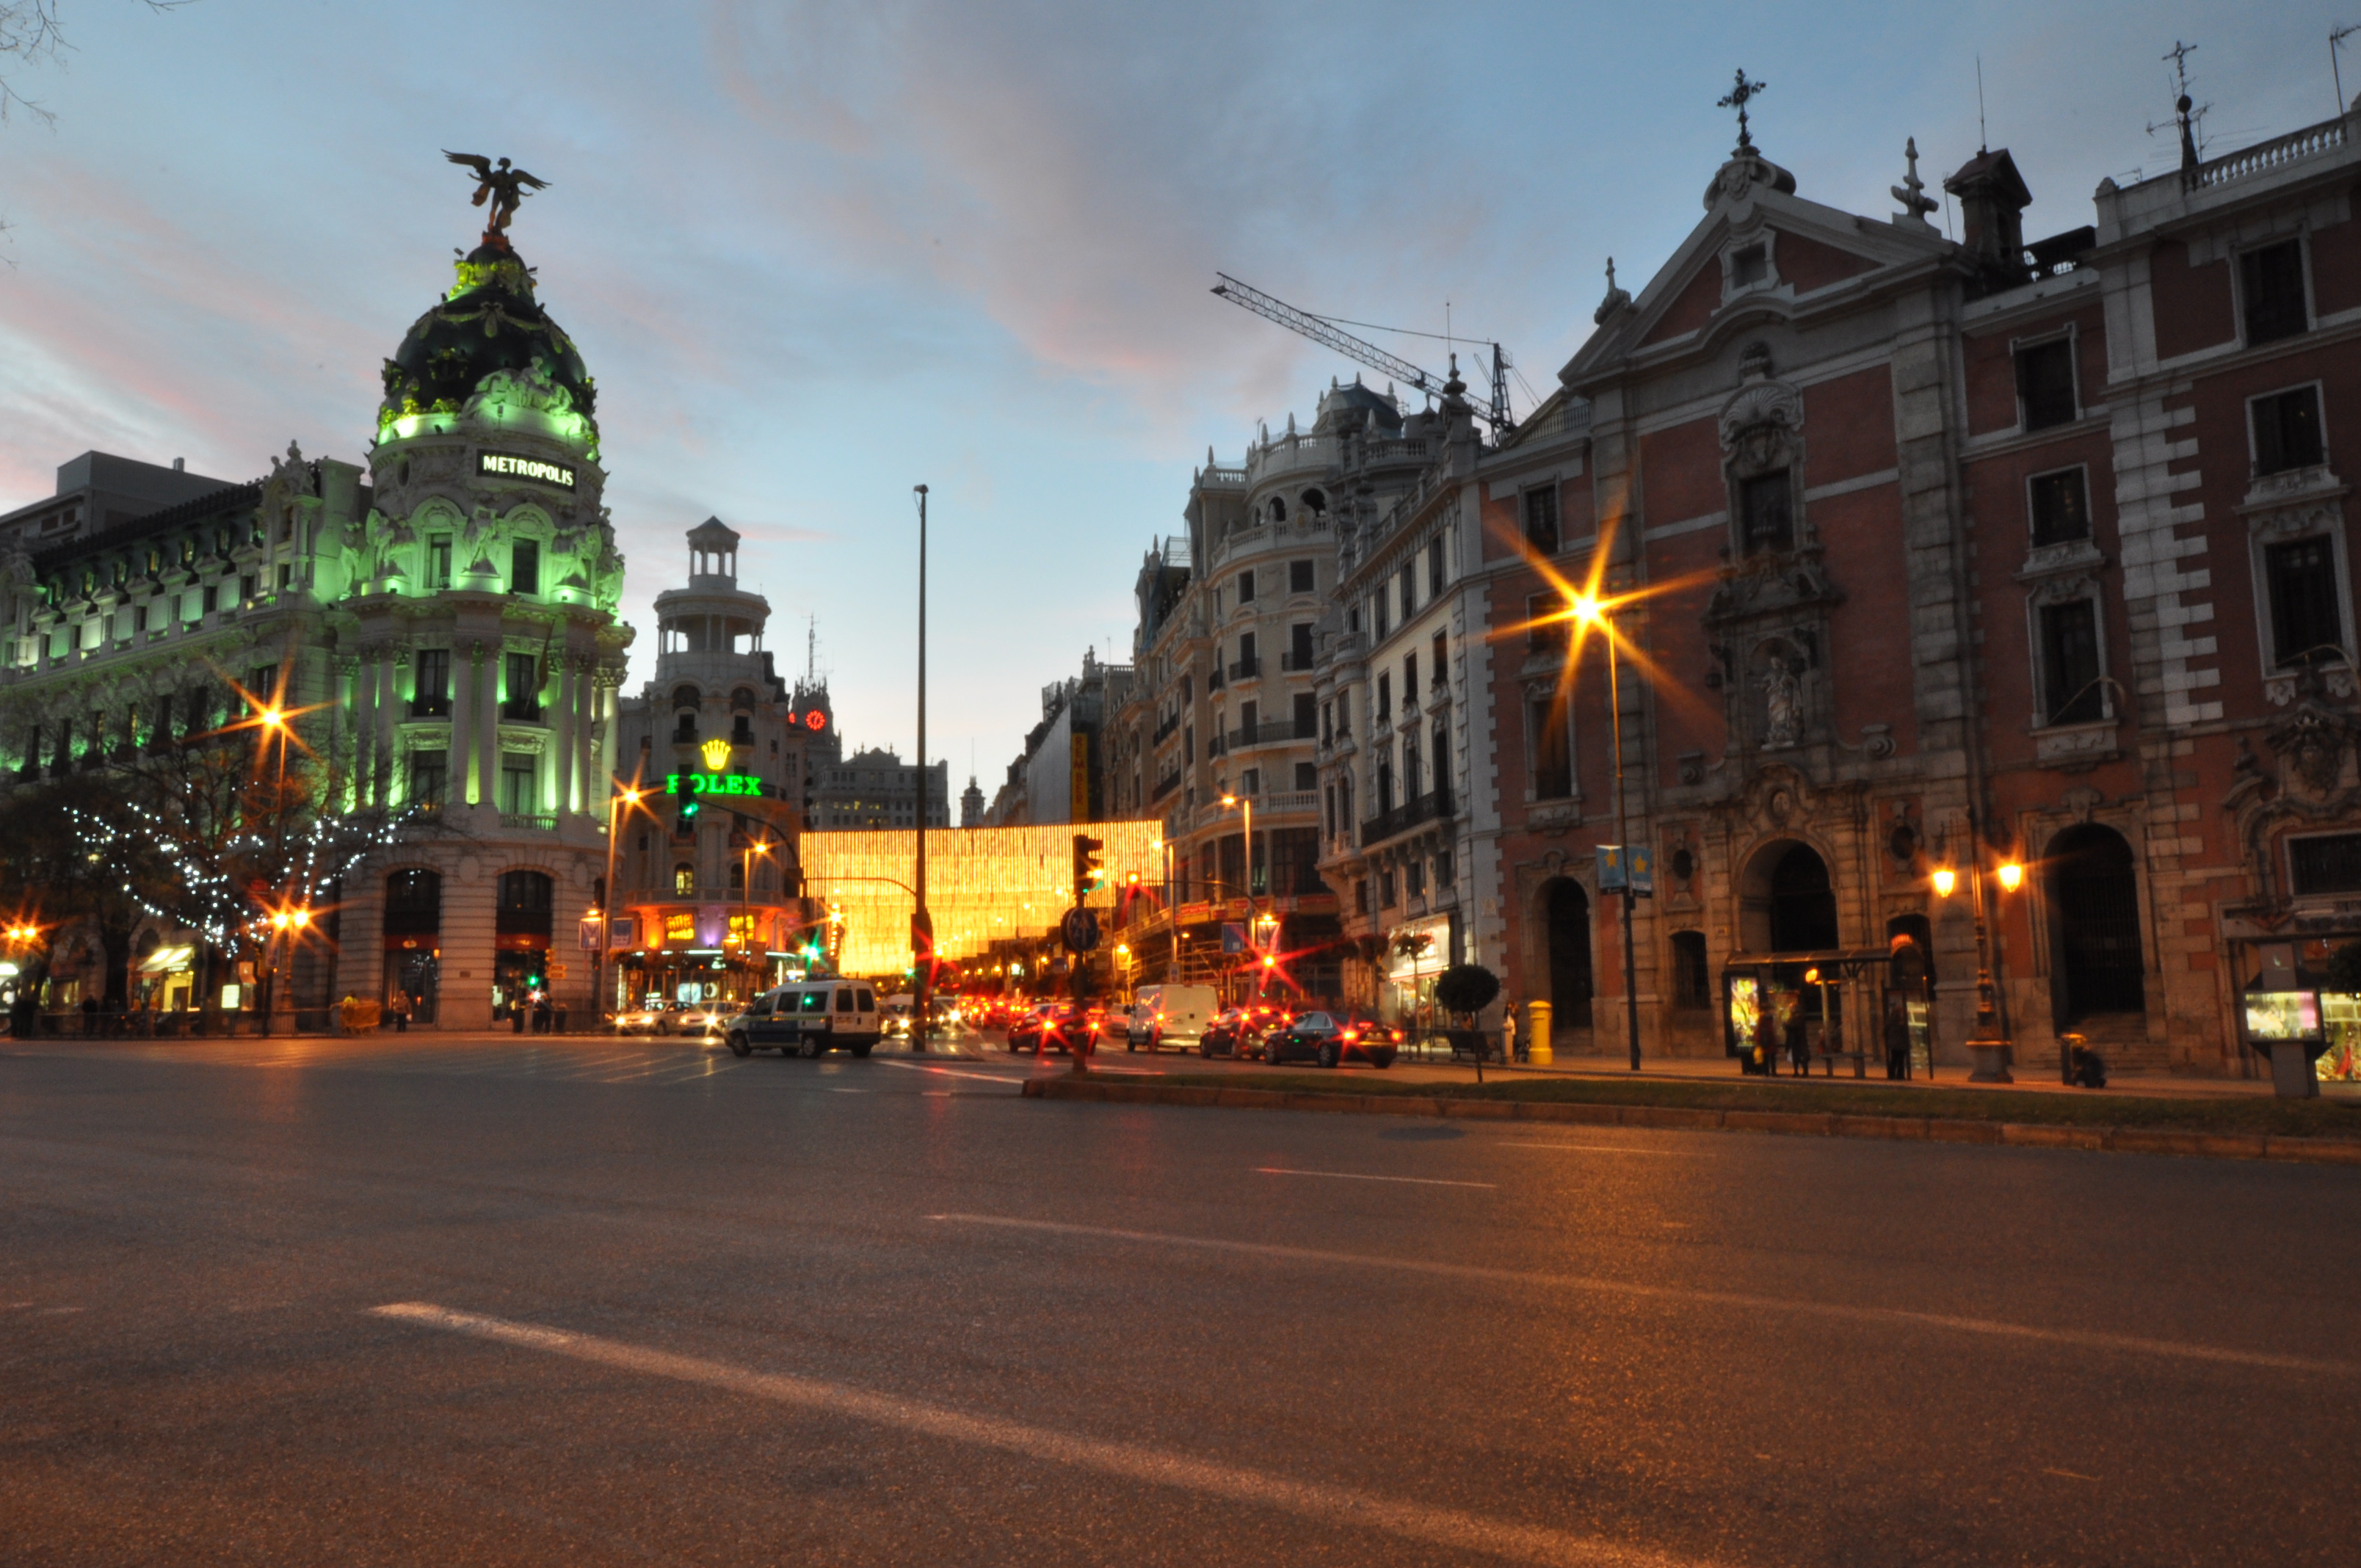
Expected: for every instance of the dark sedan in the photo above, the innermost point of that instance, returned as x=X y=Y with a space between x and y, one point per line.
x=1064 y=1026
x=1235 y=1031
x=1329 y=1039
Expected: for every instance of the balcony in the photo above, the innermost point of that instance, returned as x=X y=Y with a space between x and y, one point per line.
x=1165 y=786
x=1294 y=664
x=1246 y=669
x=1166 y=731
x=521 y=712
x=1433 y=806
x=528 y=821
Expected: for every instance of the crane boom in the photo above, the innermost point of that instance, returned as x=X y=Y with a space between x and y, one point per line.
x=1329 y=334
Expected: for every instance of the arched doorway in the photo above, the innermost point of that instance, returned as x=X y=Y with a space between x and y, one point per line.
x=414 y=941
x=1567 y=913
x=2094 y=908
x=521 y=934
x=1786 y=903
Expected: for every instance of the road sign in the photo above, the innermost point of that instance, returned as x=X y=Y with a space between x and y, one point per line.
x=1233 y=937
x=1081 y=929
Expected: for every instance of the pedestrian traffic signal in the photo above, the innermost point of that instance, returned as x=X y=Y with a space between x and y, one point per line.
x=1088 y=877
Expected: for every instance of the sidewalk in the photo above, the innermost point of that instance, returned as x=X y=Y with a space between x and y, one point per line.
x=2031 y=1078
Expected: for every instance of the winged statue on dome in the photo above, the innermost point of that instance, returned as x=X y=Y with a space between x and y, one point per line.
x=504 y=187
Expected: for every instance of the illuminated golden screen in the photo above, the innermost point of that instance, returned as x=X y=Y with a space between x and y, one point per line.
x=981 y=883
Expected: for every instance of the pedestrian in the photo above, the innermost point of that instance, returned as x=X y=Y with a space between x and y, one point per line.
x=1508 y=1033
x=1799 y=1042
x=1897 y=1039
x=400 y=1008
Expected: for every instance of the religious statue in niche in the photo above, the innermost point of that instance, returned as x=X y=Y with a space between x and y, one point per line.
x=1783 y=708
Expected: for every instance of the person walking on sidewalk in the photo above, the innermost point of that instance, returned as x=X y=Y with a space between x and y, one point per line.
x=1509 y=1032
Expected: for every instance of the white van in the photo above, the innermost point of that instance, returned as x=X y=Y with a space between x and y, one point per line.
x=806 y=1019
x=1174 y=1015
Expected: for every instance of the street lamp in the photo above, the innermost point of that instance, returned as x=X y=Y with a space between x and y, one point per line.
x=1589 y=610
x=629 y=795
x=1246 y=806
x=920 y=922
x=746 y=890
x=1989 y=1046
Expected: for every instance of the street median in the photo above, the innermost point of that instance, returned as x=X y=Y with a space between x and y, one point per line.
x=2317 y=1131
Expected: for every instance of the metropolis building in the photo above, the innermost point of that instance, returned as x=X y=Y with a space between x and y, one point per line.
x=443 y=615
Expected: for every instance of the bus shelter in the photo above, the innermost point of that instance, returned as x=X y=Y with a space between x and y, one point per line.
x=1819 y=1006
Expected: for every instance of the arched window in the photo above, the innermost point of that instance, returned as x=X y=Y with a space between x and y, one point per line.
x=414 y=903
x=1278 y=509
x=525 y=905
x=683 y=880
x=1315 y=501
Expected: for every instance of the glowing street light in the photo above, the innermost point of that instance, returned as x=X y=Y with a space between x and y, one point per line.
x=1945 y=880
x=1991 y=1043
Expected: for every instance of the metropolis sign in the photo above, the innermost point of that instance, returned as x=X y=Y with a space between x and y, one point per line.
x=508 y=466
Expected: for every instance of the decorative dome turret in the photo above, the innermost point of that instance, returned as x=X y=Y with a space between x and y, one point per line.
x=489 y=342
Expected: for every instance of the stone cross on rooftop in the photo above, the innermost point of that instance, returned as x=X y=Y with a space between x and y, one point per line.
x=1740 y=95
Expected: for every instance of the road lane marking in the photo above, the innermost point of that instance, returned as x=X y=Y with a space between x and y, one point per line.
x=1356 y=1176
x=1591 y=1149
x=1995 y=1328
x=1325 y=1504
x=949 y=1071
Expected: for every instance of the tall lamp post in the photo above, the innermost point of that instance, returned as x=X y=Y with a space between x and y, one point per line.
x=1591 y=612
x=922 y=927
x=1990 y=1047
x=1245 y=805
x=628 y=796
x=745 y=901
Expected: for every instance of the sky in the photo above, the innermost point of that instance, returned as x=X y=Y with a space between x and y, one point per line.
x=816 y=255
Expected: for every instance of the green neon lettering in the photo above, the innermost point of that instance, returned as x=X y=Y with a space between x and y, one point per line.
x=672 y=784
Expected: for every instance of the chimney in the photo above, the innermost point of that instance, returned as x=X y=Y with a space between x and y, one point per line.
x=1993 y=199
x=180 y=465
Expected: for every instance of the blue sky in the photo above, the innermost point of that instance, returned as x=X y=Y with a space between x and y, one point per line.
x=815 y=255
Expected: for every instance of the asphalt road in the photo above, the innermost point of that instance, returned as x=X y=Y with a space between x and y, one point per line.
x=416 y=1302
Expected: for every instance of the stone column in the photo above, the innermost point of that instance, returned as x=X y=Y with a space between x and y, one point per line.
x=487 y=722
x=361 y=694
x=458 y=758
x=561 y=752
x=389 y=705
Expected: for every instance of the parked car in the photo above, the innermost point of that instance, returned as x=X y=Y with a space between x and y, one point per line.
x=1074 y=1027
x=1238 y=1031
x=806 y=1019
x=1168 y=1015
x=1329 y=1039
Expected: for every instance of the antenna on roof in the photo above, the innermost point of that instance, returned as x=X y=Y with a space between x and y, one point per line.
x=2336 y=37
x=1983 y=138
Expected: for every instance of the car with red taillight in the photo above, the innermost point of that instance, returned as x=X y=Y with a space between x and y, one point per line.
x=1331 y=1038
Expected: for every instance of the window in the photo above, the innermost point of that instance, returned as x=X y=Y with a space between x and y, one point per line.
x=2045 y=383
x=1545 y=623
x=1540 y=518
x=523 y=687
x=1412 y=774
x=430 y=777
x=1249 y=715
x=2328 y=863
x=1249 y=666
x=1434 y=567
x=1327 y=806
x=1442 y=659
x=430 y=690
x=1688 y=969
x=2061 y=507
x=1307 y=777
x=1749 y=265
x=1245 y=588
x=1414 y=879
x=683 y=880
x=1299 y=646
x=1306 y=721
x=2287 y=431
x=1327 y=723
x=1294 y=852
x=1385 y=698
x=438 y=561
x=1410 y=679
x=2272 y=281
x=2305 y=626
x=1188 y=743
x=2070 y=663
x=1409 y=588
x=1550 y=726
x=524 y=568
x=1360 y=896
x=517 y=797
x=1766 y=506
x=1446 y=869
x=1385 y=889
x=1299 y=578
x=524 y=906
x=286 y=577
x=1378 y=622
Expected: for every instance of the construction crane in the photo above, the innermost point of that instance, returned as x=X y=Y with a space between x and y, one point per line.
x=1319 y=330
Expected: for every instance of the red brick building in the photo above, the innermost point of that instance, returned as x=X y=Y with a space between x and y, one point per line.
x=1948 y=555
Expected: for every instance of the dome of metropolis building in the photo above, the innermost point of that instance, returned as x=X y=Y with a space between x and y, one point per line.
x=490 y=327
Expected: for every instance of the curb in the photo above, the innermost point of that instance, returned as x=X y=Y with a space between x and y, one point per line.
x=1793 y=1123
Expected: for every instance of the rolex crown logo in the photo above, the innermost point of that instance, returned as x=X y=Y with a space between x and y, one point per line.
x=717 y=754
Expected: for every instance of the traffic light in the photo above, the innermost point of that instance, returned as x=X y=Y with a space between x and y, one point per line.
x=1086 y=864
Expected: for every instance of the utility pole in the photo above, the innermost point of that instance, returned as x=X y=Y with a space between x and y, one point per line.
x=922 y=927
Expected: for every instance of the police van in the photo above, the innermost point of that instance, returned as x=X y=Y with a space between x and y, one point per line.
x=806 y=1018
